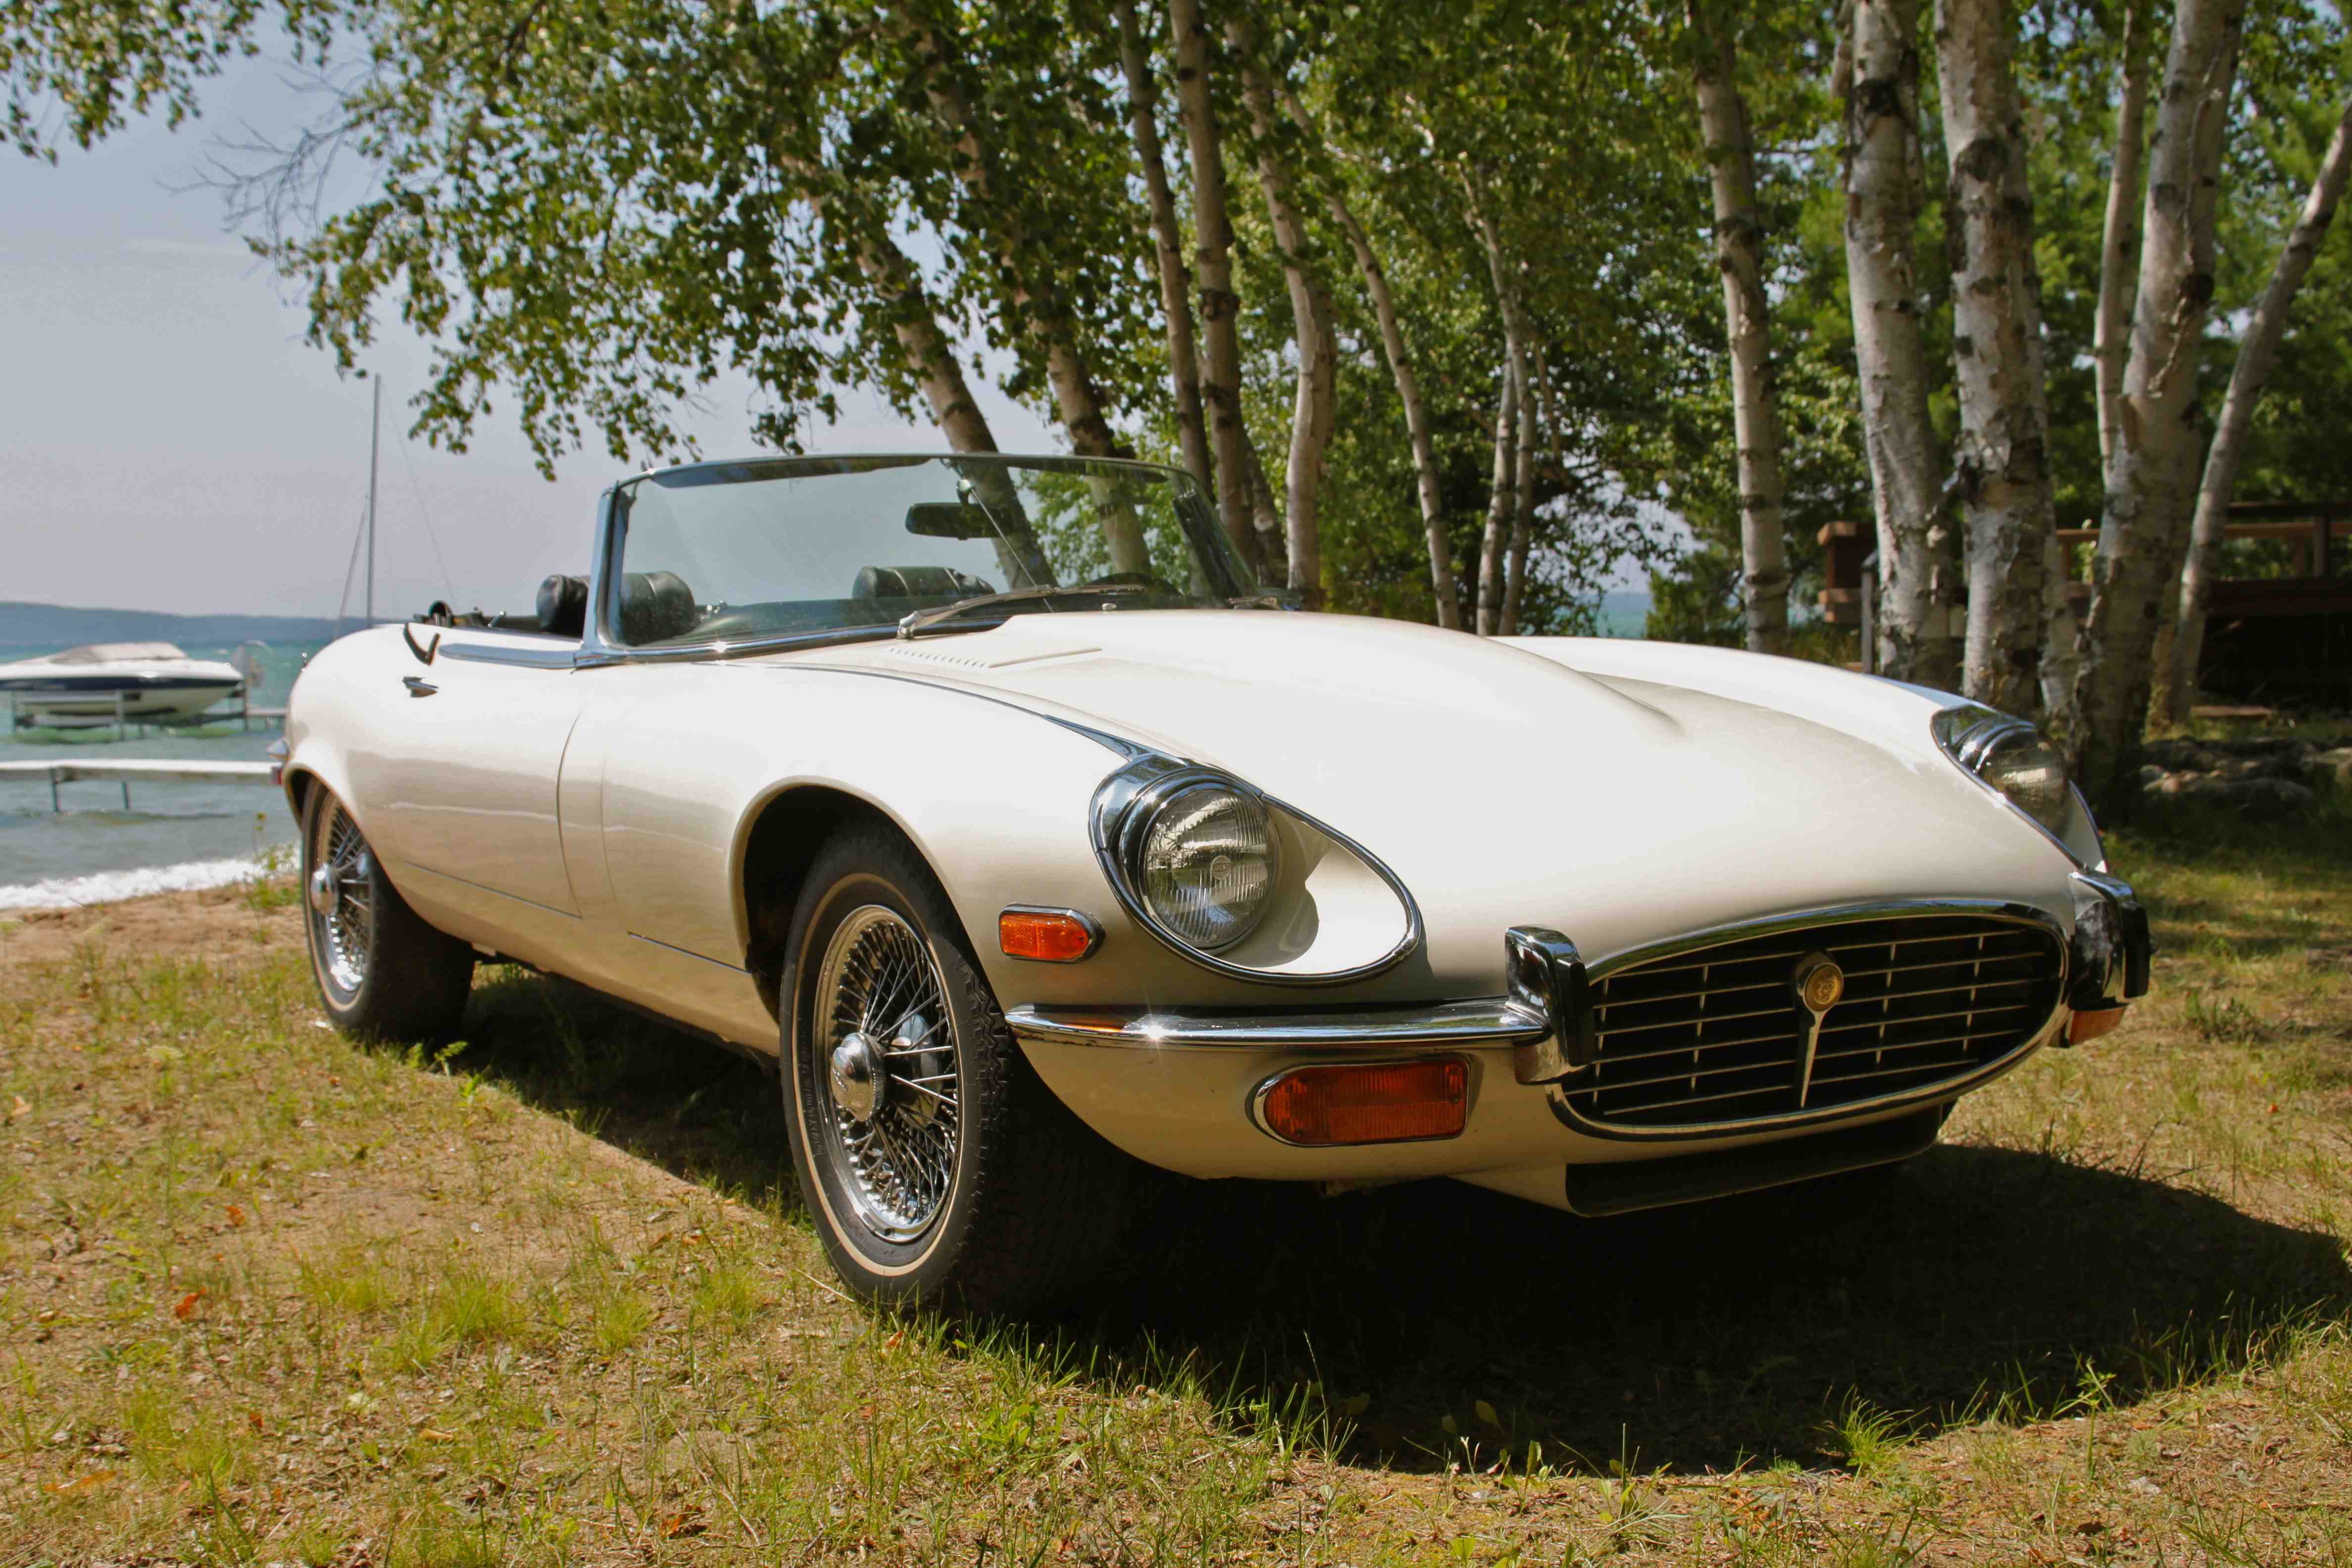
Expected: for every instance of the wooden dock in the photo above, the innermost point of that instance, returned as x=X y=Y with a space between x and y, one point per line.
x=79 y=769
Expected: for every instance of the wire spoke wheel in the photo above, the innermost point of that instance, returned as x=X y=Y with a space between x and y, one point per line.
x=887 y=1073
x=341 y=892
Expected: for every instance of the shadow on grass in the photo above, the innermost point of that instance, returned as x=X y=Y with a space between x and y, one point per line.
x=673 y=1099
x=1974 y=1282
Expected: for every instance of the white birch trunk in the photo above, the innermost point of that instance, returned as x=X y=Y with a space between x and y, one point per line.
x=2119 y=235
x=1493 y=548
x=1523 y=494
x=1078 y=398
x=1739 y=254
x=2256 y=355
x=2151 y=480
x=1916 y=561
x=1220 y=380
x=1408 y=386
x=1265 y=513
x=2001 y=461
x=1316 y=340
x=1167 y=238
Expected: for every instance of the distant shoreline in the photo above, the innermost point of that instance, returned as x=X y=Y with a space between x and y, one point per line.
x=24 y=625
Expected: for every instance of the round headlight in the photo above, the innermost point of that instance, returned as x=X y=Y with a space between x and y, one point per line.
x=2024 y=767
x=1207 y=864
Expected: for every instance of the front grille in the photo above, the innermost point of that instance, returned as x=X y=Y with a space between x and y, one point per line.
x=1717 y=1035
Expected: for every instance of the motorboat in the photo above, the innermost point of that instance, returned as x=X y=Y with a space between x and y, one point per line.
x=140 y=682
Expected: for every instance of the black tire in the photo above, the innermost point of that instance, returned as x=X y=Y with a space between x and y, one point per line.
x=382 y=973
x=1032 y=1201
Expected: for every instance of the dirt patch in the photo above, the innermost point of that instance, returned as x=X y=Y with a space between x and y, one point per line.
x=212 y=923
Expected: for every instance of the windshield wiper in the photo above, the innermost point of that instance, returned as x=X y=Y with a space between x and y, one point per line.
x=922 y=619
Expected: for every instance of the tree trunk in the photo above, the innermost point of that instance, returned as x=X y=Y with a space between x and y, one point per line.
x=2001 y=463
x=1408 y=386
x=1316 y=343
x=2256 y=355
x=1078 y=398
x=1523 y=494
x=1221 y=384
x=2150 y=481
x=1739 y=254
x=1495 y=547
x=1265 y=513
x=1915 y=558
x=1168 y=236
x=2119 y=238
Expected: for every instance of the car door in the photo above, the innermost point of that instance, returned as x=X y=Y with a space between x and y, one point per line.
x=466 y=786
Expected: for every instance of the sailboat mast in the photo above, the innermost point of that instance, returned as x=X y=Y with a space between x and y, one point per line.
x=375 y=435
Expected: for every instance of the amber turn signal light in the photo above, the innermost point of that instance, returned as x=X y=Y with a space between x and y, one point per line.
x=2091 y=1026
x=1385 y=1102
x=1049 y=936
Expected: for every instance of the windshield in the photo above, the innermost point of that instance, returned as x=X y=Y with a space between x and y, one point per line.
x=726 y=551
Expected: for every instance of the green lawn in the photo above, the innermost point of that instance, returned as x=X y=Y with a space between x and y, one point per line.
x=266 y=1296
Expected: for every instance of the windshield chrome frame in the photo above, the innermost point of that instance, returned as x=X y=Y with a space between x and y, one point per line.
x=599 y=646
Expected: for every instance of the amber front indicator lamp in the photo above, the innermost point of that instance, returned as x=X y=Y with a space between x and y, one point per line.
x=2090 y=1025
x=1381 y=1102
x=1048 y=936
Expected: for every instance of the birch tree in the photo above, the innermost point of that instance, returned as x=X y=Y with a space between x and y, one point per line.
x=2001 y=463
x=1314 y=341
x=2257 y=353
x=1427 y=483
x=1168 y=239
x=1221 y=371
x=2151 y=480
x=2119 y=233
x=1917 y=563
x=1739 y=255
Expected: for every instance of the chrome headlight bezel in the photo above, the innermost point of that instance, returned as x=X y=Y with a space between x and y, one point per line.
x=1975 y=739
x=1130 y=800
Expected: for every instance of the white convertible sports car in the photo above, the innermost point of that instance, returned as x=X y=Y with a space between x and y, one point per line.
x=993 y=801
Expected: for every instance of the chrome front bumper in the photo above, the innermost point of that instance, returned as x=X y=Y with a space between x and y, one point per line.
x=1175 y=1087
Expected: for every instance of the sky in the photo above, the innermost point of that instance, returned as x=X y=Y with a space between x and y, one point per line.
x=171 y=444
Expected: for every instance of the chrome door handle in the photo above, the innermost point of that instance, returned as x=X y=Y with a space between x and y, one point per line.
x=418 y=686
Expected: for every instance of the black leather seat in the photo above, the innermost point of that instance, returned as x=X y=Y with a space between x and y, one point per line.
x=564 y=605
x=655 y=606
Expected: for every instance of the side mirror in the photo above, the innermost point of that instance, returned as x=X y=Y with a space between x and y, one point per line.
x=948 y=520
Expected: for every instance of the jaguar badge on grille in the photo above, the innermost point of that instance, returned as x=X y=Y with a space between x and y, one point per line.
x=1820 y=983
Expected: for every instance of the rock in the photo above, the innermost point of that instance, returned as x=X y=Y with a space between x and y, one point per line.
x=2256 y=799
x=2337 y=764
x=2173 y=756
x=2288 y=765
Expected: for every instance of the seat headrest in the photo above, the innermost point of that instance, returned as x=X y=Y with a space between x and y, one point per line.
x=655 y=606
x=564 y=605
x=916 y=583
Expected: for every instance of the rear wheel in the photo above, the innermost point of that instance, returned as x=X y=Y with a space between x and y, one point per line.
x=937 y=1166
x=383 y=973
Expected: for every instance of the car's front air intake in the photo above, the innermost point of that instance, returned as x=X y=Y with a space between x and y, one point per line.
x=1755 y=1029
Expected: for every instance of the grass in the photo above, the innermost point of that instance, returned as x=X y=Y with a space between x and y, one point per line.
x=546 y=1297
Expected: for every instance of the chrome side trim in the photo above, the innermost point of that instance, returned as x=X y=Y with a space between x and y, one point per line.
x=1093 y=928
x=1130 y=791
x=687 y=952
x=1802 y=920
x=1266 y=1085
x=1486 y=1021
x=563 y=655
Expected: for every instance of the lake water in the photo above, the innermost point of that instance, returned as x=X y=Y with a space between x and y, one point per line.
x=175 y=833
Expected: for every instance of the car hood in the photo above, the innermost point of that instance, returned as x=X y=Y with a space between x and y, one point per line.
x=1505 y=787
